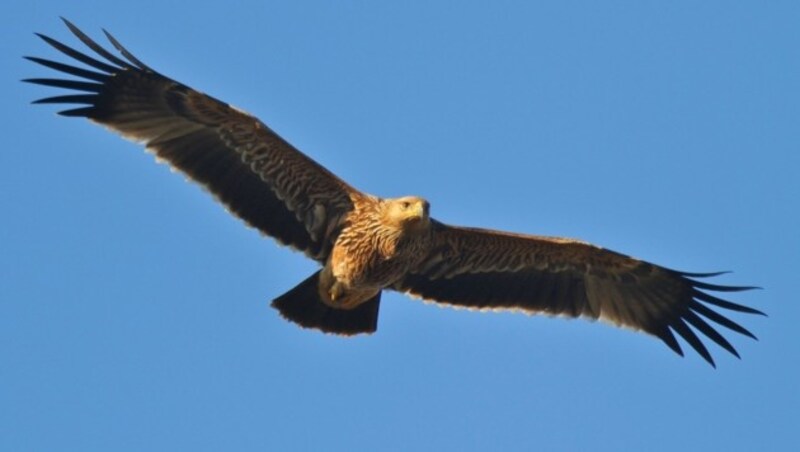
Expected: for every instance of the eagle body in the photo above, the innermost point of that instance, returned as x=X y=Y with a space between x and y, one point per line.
x=365 y=244
x=382 y=240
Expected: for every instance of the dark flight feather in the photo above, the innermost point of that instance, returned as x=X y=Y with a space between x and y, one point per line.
x=255 y=173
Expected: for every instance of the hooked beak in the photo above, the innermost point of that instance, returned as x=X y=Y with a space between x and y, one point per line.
x=421 y=210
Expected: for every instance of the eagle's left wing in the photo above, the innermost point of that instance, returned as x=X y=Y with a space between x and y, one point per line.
x=493 y=270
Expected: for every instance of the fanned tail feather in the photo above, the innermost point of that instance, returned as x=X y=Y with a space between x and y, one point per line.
x=303 y=306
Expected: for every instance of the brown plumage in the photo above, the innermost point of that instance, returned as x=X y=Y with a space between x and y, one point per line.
x=366 y=244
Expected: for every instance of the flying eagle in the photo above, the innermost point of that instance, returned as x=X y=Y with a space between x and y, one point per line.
x=366 y=244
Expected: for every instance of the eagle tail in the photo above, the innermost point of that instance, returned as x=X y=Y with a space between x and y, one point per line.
x=303 y=305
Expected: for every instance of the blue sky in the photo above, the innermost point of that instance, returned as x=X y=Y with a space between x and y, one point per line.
x=134 y=310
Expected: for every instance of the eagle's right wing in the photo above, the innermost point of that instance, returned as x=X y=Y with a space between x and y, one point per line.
x=256 y=174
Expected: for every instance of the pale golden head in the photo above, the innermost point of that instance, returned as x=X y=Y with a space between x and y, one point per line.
x=408 y=212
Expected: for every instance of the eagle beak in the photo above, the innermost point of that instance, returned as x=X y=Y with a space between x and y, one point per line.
x=421 y=210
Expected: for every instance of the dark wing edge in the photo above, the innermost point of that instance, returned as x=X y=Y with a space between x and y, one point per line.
x=496 y=271
x=257 y=175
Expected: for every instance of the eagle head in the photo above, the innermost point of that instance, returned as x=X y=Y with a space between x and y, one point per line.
x=408 y=213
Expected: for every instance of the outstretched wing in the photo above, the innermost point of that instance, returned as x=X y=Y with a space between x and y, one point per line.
x=492 y=270
x=256 y=174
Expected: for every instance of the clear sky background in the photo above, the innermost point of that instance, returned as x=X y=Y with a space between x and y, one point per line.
x=134 y=310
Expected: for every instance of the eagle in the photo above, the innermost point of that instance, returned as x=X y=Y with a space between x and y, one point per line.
x=366 y=244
